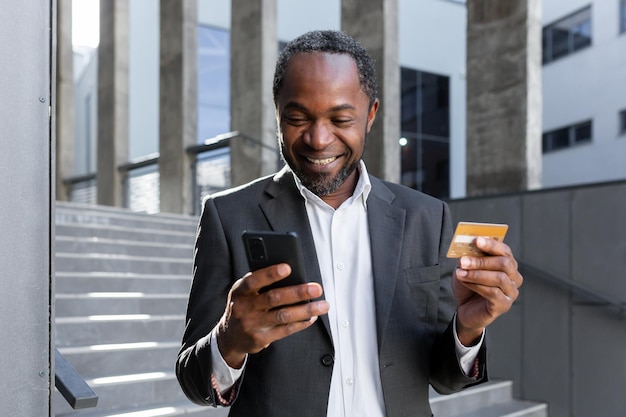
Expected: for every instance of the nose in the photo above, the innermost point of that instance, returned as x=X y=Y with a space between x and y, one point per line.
x=318 y=135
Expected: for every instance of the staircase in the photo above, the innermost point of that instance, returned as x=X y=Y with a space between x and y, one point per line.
x=492 y=399
x=122 y=282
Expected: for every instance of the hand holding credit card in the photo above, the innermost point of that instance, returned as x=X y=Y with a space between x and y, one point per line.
x=465 y=234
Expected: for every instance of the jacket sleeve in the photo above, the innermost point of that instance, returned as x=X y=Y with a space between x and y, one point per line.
x=212 y=279
x=446 y=375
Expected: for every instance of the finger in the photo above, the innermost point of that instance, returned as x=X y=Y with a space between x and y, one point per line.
x=292 y=295
x=279 y=332
x=492 y=263
x=298 y=313
x=493 y=247
x=252 y=282
x=485 y=280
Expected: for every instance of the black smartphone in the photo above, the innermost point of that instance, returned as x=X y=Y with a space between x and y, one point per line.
x=265 y=248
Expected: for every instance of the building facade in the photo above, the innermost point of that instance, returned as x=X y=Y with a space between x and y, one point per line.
x=584 y=88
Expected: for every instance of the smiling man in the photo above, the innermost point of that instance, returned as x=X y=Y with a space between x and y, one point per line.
x=388 y=315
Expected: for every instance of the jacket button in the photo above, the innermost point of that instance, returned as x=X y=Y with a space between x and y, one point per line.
x=327 y=360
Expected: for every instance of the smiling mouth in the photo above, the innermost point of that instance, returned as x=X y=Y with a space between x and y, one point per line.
x=324 y=161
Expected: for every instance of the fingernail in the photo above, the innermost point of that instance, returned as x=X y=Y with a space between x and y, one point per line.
x=465 y=263
x=462 y=273
x=282 y=269
x=480 y=241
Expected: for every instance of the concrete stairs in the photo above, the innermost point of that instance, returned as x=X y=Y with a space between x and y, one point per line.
x=122 y=282
x=492 y=399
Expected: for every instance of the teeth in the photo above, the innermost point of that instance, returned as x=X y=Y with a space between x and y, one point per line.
x=321 y=161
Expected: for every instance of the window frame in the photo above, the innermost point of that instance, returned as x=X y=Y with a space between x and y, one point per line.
x=548 y=138
x=549 y=33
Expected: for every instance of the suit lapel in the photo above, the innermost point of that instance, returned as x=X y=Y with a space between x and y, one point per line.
x=386 y=227
x=285 y=211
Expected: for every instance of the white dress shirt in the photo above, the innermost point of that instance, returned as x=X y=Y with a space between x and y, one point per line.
x=342 y=244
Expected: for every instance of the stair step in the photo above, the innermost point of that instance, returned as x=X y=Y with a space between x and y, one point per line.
x=125 y=233
x=68 y=244
x=130 y=390
x=116 y=359
x=85 y=214
x=173 y=409
x=513 y=408
x=88 y=262
x=94 y=330
x=86 y=282
x=471 y=399
x=492 y=399
x=101 y=303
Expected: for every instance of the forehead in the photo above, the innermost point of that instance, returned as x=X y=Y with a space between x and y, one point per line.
x=321 y=73
x=322 y=67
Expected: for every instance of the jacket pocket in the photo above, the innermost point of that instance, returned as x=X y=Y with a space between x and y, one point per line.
x=422 y=274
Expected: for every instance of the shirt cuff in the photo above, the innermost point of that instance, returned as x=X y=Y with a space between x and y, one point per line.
x=223 y=375
x=466 y=355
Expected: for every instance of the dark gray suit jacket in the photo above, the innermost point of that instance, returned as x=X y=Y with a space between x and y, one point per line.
x=409 y=233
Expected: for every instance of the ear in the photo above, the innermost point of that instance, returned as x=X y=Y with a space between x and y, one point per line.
x=371 y=115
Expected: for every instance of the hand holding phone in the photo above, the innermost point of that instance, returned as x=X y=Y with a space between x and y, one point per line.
x=266 y=248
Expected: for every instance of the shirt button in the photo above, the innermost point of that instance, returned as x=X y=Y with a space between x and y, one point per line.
x=340 y=266
x=349 y=382
x=345 y=323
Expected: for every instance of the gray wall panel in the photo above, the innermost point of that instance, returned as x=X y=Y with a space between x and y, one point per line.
x=599 y=238
x=25 y=171
x=598 y=376
x=558 y=346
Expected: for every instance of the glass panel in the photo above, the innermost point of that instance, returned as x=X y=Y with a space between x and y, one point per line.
x=622 y=122
x=436 y=168
x=212 y=173
x=143 y=191
x=581 y=31
x=560 y=42
x=582 y=132
x=559 y=139
x=213 y=82
x=425 y=125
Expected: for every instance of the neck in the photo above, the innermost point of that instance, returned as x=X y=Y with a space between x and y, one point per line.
x=344 y=192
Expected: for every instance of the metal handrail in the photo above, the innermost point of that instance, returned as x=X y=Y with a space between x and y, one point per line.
x=145 y=161
x=79 y=178
x=223 y=140
x=71 y=385
x=587 y=293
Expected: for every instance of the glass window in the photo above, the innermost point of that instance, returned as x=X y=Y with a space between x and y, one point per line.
x=425 y=125
x=622 y=122
x=567 y=35
x=568 y=136
x=213 y=82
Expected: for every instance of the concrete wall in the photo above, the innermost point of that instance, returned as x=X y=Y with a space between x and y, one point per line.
x=559 y=347
x=26 y=184
x=588 y=84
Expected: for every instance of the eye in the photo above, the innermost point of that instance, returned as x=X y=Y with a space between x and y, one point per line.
x=295 y=120
x=342 y=121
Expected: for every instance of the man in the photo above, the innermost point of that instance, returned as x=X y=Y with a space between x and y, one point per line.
x=381 y=325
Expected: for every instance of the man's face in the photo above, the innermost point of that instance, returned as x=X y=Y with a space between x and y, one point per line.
x=323 y=118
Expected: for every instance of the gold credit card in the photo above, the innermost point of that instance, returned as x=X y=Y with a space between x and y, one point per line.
x=466 y=233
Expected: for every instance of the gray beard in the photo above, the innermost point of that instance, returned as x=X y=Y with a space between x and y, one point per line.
x=321 y=184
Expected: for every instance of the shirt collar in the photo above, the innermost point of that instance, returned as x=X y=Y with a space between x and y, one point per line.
x=361 y=191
